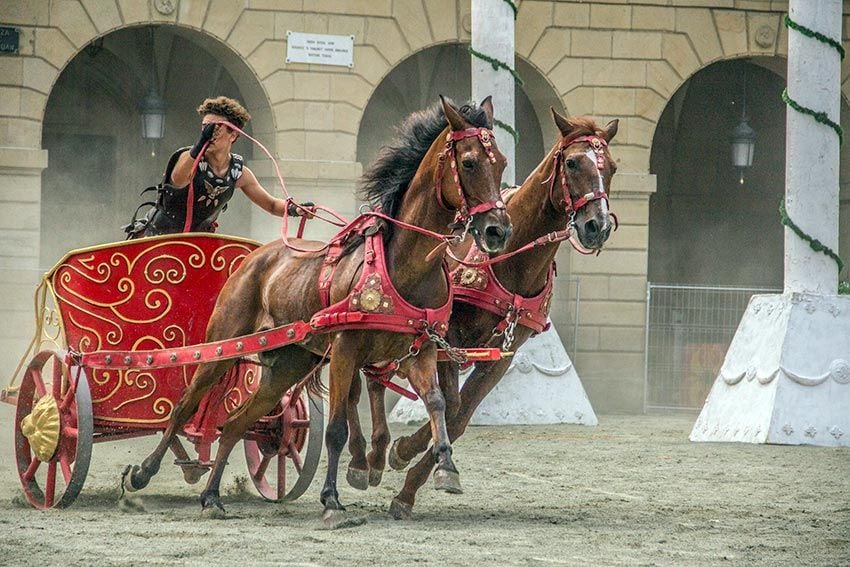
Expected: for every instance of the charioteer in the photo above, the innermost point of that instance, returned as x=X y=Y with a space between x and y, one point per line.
x=215 y=173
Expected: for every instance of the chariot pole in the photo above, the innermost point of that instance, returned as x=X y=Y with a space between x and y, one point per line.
x=786 y=376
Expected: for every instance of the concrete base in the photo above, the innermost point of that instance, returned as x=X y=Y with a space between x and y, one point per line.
x=786 y=376
x=540 y=387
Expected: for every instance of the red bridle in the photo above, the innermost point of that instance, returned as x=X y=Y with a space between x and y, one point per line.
x=465 y=213
x=598 y=146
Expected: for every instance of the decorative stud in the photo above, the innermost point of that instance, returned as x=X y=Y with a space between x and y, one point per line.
x=290 y=333
x=149 y=359
x=263 y=341
x=127 y=360
x=219 y=350
x=173 y=357
x=108 y=359
x=196 y=355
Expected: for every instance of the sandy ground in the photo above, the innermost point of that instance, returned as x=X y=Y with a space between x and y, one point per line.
x=632 y=491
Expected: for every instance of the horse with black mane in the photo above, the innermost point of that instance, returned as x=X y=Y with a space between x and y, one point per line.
x=373 y=296
x=506 y=302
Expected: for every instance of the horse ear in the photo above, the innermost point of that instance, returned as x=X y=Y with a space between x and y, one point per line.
x=456 y=121
x=562 y=123
x=611 y=130
x=487 y=106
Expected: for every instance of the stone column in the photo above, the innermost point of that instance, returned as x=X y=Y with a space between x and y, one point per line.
x=811 y=155
x=493 y=35
x=786 y=378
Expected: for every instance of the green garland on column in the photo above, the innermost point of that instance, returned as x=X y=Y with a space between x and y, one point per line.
x=496 y=64
x=513 y=7
x=507 y=128
x=815 y=244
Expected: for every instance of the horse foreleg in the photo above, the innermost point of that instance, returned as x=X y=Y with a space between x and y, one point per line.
x=342 y=371
x=358 y=473
x=422 y=375
x=474 y=390
x=377 y=457
x=136 y=477
x=405 y=448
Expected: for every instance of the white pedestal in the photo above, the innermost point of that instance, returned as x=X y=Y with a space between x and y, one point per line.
x=540 y=387
x=786 y=376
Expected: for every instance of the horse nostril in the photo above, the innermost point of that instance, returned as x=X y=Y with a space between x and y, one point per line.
x=591 y=228
x=494 y=232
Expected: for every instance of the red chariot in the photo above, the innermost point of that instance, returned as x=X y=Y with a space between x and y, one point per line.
x=144 y=296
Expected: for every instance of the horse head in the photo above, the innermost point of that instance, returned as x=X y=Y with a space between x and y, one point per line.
x=582 y=175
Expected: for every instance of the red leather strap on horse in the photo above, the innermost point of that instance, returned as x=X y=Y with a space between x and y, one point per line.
x=374 y=303
x=597 y=144
x=485 y=136
x=480 y=287
x=193 y=354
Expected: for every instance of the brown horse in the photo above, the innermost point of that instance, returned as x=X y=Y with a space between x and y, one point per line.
x=537 y=209
x=276 y=285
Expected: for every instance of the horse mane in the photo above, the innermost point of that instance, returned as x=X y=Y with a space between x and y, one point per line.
x=386 y=180
x=584 y=126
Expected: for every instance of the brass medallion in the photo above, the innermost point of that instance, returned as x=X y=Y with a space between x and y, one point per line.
x=41 y=428
x=370 y=299
x=468 y=276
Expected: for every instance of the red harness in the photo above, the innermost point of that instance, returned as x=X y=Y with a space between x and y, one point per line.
x=374 y=302
x=480 y=287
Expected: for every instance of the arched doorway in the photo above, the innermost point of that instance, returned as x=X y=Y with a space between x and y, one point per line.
x=98 y=160
x=417 y=82
x=705 y=226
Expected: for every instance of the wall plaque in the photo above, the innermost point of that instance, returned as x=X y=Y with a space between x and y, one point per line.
x=320 y=49
x=10 y=39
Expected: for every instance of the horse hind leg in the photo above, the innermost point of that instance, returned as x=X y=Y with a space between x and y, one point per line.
x=287 y=370
x=358 y=468
x=136 y=477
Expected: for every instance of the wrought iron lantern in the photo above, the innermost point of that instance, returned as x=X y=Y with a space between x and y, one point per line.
x=743 y=146
x=152 y=109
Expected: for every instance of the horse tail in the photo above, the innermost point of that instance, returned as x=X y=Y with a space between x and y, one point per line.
x=313 y=382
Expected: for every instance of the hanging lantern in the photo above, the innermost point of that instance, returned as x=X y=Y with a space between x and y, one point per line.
x=152 y=109
x=743 y=146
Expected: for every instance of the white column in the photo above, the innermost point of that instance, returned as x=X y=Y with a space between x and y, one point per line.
x=811 y=155
x=493 y=35
x=786 y=376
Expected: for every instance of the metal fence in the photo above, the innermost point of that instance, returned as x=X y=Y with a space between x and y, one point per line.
x=688 y=331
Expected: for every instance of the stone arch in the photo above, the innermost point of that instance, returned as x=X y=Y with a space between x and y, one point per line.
x=90 y=124
x=443 y=68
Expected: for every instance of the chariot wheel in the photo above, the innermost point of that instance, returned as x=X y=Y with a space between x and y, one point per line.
x=53 y=431
x=284 y=448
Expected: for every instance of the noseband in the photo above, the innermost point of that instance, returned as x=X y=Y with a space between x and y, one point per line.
x=465 y=213
x=598 y=145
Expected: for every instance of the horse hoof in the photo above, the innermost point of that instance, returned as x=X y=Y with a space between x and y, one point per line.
x=358 y=478
x=396 y=463
x=127 y=478
x=400 y=510
x=193 y=474
x=214 y=512
x=375 y=476
x=333 y=518
x=447 y=481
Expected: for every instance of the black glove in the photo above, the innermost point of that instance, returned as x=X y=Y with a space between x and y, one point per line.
x=294 y=210
x=206 y=136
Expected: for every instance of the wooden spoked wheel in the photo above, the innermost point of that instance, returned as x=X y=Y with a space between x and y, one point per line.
x=284 y=448
x=53 y=431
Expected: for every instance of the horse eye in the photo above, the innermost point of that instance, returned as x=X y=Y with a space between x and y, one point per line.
x=468 y=163
x=572 y=164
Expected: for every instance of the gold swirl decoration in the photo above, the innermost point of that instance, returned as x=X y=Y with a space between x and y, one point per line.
x=218 y=262
x=232 y=400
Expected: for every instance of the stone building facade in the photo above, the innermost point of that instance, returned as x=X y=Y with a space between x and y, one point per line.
x=609 y=58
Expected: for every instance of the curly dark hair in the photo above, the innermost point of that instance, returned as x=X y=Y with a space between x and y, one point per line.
x=229 y=108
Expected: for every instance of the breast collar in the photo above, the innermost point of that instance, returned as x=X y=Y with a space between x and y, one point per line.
x=374 y=302
x=480 y=287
